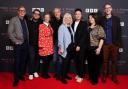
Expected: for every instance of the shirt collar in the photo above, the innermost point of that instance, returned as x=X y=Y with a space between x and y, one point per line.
x=46 y=23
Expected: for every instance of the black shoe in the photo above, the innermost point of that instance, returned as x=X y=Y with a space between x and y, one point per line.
x=55 y=75
x=58 y=77
x=45 y=76
x=15 y=83
x=94 y=83
x=22 y=78
x=64 y=81
x=67 y=77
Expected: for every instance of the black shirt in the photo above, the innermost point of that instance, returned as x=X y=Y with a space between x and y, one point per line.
x=55 y=25
x=33 y=27
x=24 y=29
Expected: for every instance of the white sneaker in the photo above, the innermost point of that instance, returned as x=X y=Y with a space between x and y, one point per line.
x=36 y=75
x=76 y=77
x=30 y=77
x=79 y=80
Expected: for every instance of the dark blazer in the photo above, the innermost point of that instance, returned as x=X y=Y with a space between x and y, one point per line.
x=116 y=29
x=81 y=36
x=55 y=25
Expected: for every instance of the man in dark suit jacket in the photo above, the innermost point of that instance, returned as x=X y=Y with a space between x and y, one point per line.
x=111 y=25
x=81 y=42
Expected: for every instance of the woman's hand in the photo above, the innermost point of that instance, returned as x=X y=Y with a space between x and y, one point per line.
x=98 y=51
x=61 y=51
x=99 y=47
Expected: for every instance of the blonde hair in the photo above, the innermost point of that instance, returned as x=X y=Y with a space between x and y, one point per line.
x=67 y=16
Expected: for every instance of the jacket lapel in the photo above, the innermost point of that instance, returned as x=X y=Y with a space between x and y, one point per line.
x=19 y=24
x=77 y=29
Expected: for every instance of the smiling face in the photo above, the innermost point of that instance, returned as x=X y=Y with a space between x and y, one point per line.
x=21 y=11
x=108 y=9
x=57 y=12
x=36 y=15
x=78 y=15
x=47 y=18
x=91 y=20
x=67 y=19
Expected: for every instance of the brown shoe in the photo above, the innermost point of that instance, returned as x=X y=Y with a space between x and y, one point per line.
x=115 y=80
x=104 y=79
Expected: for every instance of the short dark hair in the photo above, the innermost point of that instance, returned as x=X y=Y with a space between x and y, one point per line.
x=36 y=10
x=95 y=16
x=21 y=6
x=107 y=3
x=47 y=13
x=78 y=9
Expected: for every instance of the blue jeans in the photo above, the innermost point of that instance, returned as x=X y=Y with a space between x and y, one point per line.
x=57 y=61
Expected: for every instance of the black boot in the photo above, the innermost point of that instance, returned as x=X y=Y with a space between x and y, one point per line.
x=15 y=83
x=68 y=77
x=45 y=76
x=64 y=81
x=22 y=78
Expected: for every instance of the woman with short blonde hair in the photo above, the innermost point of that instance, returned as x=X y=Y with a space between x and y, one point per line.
x=65 y=39
x=67 y=16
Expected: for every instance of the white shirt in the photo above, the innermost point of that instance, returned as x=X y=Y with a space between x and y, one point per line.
x=75 y=26
x=46 y=23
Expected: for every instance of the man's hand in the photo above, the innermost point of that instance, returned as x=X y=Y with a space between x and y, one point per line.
x=77 y=48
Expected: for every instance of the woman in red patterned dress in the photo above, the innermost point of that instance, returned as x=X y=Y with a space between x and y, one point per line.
x=45 y=44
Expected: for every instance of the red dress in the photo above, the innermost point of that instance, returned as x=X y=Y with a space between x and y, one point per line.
x=45 y=41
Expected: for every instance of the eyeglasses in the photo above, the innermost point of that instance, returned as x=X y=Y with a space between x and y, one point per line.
x=36 y=13
x=108 y=8
x=22 y=11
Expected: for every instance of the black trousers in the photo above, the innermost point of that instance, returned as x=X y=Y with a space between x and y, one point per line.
x=80 y=58
x=94 y=64
x=66 y=63
x=33 y=63
x=20 y=55
x=46 y=63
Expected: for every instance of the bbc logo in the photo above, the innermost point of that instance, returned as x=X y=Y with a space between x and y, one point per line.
x=9 y=48
x=6 y=21
x=121 y=50
x=91 y=10
x=41 y=9
x=122 y=24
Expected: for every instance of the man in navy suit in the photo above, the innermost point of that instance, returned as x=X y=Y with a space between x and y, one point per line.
x=18 y=34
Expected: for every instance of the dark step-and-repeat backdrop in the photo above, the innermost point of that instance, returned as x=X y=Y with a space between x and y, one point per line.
x=8 y=9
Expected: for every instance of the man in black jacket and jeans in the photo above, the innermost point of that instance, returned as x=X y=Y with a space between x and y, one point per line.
x=56 y=21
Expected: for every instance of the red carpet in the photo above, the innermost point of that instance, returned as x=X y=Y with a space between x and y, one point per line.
x=39 y=83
